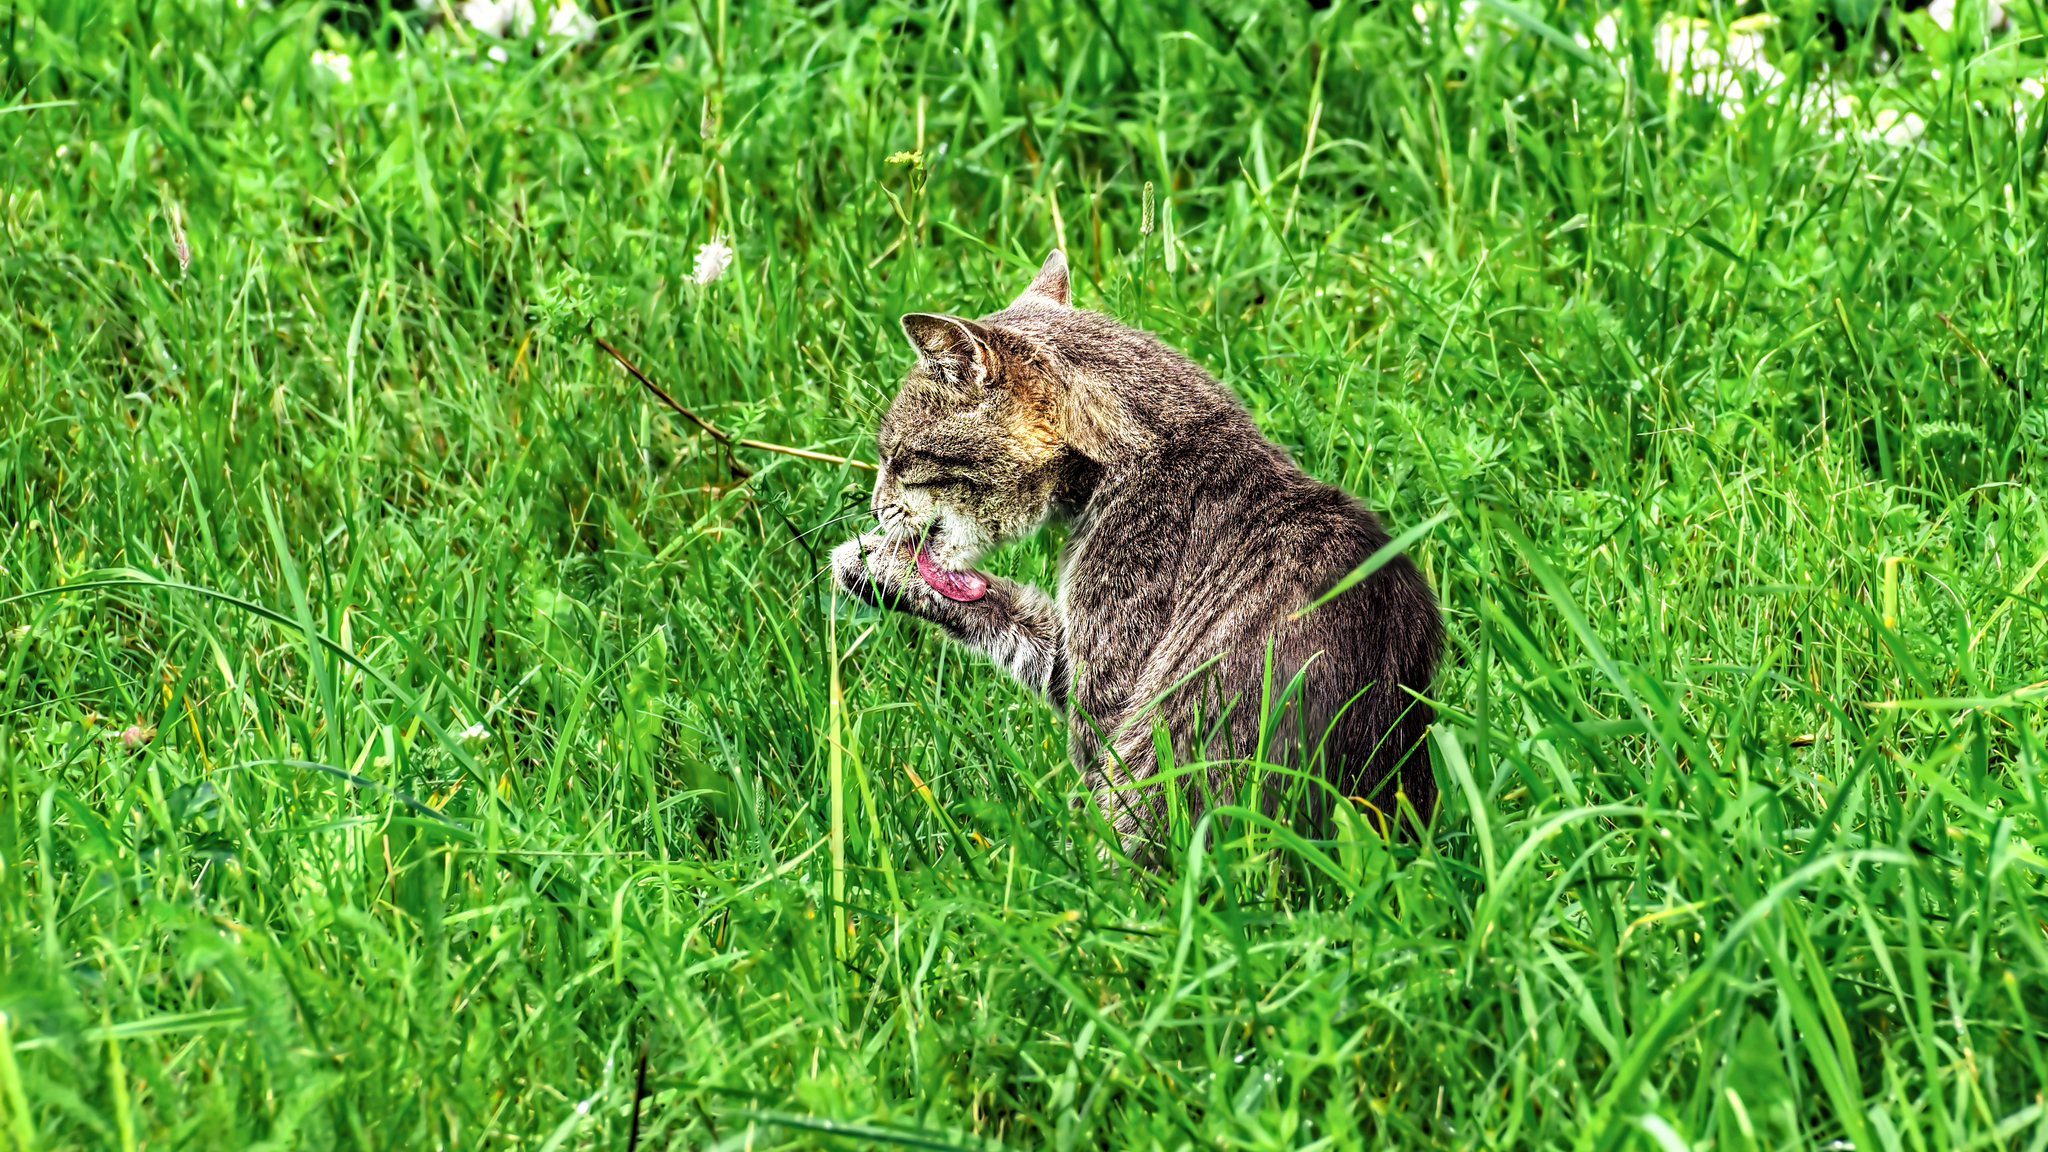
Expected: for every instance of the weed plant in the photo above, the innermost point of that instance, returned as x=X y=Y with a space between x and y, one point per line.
x=417 y=737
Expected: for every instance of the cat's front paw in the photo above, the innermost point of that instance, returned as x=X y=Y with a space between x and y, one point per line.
x=872 y=568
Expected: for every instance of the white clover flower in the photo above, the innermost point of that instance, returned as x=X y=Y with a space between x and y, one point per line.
x=335 y=64
x=1677 y=41
x=1608 y=33
x=2033 y=90
x=1746 y=49
x=1829 y=103
x=1899 y=131
x=571 y=22
x=712 y=260
x=1826 y=106
x=1685 y=49
x=500 y=18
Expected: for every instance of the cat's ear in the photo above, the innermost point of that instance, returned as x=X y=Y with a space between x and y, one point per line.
x=953 y=348
x=1051 y=285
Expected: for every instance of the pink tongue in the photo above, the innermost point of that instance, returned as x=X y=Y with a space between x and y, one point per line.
x=952 y=585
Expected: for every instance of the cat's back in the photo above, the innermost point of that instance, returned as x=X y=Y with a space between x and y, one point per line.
x=1260 y=538
x=1204 y=534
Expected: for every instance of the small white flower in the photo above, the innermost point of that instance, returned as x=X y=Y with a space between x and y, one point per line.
x=499 y=18
x=1746 y=50
x=474 y=734
x=336 y=64
x=567 y=20
x=712 y=259
x=2032 y=90
x=1943 y=13
x=1608 y=33
x=1677 y=41
x=1827 y=103
x=497 y=54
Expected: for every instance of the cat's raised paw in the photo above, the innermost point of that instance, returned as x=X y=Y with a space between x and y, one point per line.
x=871 y=567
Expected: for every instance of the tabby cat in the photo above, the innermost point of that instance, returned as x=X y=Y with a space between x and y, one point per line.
x=1194 y=542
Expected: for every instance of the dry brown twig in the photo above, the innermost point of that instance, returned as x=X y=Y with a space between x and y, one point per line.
x=729 y=442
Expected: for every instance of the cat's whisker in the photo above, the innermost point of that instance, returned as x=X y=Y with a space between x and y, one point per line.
x=888 y=547
x=834 y=520
x=798 y=538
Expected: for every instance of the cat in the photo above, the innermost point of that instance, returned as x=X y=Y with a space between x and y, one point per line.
x=1194 y=543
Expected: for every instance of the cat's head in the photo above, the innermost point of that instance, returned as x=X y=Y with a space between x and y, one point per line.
x=975 y=447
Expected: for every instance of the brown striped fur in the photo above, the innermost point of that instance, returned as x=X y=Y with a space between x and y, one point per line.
x=1193 y=540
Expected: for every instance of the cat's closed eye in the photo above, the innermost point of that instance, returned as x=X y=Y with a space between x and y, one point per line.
x=936 y=460
x=920 y=469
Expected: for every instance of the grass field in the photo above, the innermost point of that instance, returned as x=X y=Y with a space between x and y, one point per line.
x=412 y=736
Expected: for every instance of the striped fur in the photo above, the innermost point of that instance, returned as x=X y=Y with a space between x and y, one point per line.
x=1193 y=540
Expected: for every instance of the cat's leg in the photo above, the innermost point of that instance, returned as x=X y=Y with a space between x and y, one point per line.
x=1136 y=813
x=1015 y=625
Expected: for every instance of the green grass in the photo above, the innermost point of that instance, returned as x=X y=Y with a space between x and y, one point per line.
x=1733 y=413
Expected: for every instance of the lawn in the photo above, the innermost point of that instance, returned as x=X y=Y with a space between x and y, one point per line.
x=415 y=735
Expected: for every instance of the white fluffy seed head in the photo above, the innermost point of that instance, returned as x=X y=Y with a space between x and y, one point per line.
x=712 y=260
